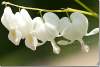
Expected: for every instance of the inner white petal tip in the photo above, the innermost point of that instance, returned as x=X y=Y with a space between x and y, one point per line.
x=16 y=43
x=93 y=32
x=56 y=50
x=31 y=46
x=62 y=42
x=14 y=36
x=86 y=48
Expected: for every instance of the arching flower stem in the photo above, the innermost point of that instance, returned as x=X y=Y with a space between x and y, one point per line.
x=45 y=10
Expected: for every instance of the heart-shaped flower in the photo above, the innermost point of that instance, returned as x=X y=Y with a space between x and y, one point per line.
x=46 y=31
x=25 y=25
x=54 y=20
x=46 y=28
x=75 y=28
x=20 y=26
x=9 y=21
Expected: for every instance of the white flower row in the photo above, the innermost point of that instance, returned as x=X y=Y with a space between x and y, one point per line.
x=46 y=28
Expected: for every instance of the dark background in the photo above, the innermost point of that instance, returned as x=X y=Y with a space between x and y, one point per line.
x=21 y=55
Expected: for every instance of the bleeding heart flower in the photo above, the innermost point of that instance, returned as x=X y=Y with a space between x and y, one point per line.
x=9 y=21
x=46 y=31
x=75 y=28
x=25 y=26
x=20 y=26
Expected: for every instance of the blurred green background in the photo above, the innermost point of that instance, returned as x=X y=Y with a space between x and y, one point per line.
x=21 y=55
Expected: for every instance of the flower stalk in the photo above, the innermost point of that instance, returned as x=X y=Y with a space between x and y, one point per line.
x=83 y=5
x=45 y=10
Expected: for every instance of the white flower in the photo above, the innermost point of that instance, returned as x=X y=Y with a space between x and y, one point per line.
x=46 y=31
x=25 y=25
x=46 y=28
x=75 y=28
x=9 y=21
x=20 y=26
x=54 y=20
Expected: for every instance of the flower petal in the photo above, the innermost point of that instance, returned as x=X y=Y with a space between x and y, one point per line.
x=37 y=22
x=80 y=23
x=27 y=18
x=15 y=36
x=56 y=49
x=63 y=42
x=64 y=23
x=93 y=32
x=20 y=21
x=78 y=27
x=42 y=33
x=39 y=44
x=51 y=18
x=40 y=29
x=22 y=25
x=26 y=15
x=70 y=33
x=31 y=42
x=8 y=19
x=51 y=31
x=84 y=47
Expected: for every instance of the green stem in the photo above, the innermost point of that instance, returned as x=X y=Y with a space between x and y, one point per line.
x=83 y=5
x=45 y=10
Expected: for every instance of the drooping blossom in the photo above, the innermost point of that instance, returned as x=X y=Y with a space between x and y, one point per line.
x=75 y=29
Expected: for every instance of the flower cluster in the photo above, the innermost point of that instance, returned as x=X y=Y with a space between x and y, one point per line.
x=46 y=28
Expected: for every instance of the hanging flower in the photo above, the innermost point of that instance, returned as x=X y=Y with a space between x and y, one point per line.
x=9 y=21
x=54 y=20
x=25 y=25
x=19 y=26
x=46 y=31
x=75 y=28
x=46 y=28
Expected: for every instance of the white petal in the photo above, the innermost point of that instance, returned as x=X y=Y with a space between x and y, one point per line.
x=51 y=18
x=27 y=18
x=93 y=32
x=40 y=29
x=8 y=19
x=80 y=23
x=37 y=22
x=63 y=24
x=63 y=42
x=42 y=33
x=26 y=15
x=56 y=49
x=78 y=27
x=15 y=36
x=31 y=42
x=20 y=21
x=45 y=31
x=84 y=47
x=22 y=25
x=51 y=31
x=70 y=33
x=39 y=44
